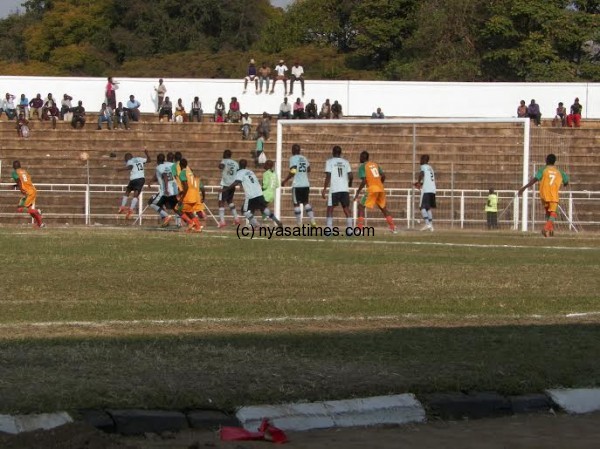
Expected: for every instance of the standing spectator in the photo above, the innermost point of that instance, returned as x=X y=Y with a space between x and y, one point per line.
x=22 y=125
x=491 y=209
x=196 y=110
x=264 y=126
x=65 y=108
x=180 y=114
x=161 y=91
x=111 y=94
x=311 y=109
x=246 y=126
x=264 y=76
x=8 y=106
x=533 y=112
x=285 y=109
x=560 y=118
x=23 y=106
x=121 y=116
x=325 y=110
x=259 y=149
x=251 y=75
x=105 y=116
x=574 y=118
x=522 y=109
x=133 y=109
x=48 y=104
x=234 y=114
x=298 y=109
x=35 y=107
x=378 y=114
x=280 y=70
x=78 y=115
x=336 y=110
x=219 y=107
x=166 y=108
x=297 y=75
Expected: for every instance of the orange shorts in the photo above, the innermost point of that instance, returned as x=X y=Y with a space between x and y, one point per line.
x=192 y=207
x=370 y=199
x=28 y=200
x=550 y=206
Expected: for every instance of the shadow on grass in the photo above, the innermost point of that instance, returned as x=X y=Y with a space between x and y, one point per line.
x=225 y=371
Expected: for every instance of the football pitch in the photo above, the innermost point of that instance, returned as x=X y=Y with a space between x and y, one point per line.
x=143 y=318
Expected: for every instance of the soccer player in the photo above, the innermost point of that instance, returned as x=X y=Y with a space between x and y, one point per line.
x=338 y=179
x=426 y=183
x=229 y=168
x=167 y=190
x=372 y=176
x=270 y=182
x=24 y=184
x=254 y=195
x=191 y=197
x=551 y=179
x=135 y=166
x=299 y=170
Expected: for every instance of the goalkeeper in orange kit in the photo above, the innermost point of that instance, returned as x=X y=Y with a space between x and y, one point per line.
x=24 y=184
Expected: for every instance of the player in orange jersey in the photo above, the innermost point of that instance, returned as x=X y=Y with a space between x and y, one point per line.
x=24 y=184
x=372 y=176
x=551 y=179
x=191 y=197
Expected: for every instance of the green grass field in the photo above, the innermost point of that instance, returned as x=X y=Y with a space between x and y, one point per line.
x=142 y=318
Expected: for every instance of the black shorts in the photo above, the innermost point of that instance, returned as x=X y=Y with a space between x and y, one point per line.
x=300 y=195
x=160 y=200
x=337 y=198
x=428 y=201
x=136 y=185
x=227 y=196
x=252 y=204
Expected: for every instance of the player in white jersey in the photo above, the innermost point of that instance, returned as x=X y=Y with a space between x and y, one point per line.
x=229 y=168
x=338 y=179
x=166 y=198
x=299 y=170
x=426 y=183
x=254 y=199
x=135 y=166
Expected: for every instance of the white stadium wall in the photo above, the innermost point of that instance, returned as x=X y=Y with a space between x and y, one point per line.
x=358 y=98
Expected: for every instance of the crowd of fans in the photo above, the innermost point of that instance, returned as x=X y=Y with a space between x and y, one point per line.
x=561 y=118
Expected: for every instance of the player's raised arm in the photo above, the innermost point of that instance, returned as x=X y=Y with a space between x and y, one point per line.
x=531 y=182
x=147 y=154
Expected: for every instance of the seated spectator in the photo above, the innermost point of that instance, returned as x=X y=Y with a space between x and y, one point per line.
x=133 y=109
x=297 y=75
x=78 y=115
x=234 y=115
x=378 y=114
x=574 y=118
x=220 y=117
x=285 y=109
x=49 y=103
x=311 y=109
x=196 y=110
x=251 y=75
x=298 y=109
x=325 y=110
x=246 y=126
x=533 y=112
x=22 y=125
x=180 y=114
x=522 y=110
x=105 y=116
x=23 y=106
x=560 y=119
x=65 y=108
x=336 y=110
x=219 y=106
x=121 y=116
x=280 y=70
x=8 y=107
x=52 y=114
x=166 y=109
x=35 y=107
x=264 y=76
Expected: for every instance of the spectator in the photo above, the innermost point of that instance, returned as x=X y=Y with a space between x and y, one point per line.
x=298 y=108
x=8 y=106
x=285 y=109
x=22 y=125
x=336 y=110
x=260 y=147
x=52 y=113
x=121 y=116
x=220 y=117
x=264 y=76
x=311 y=109
x=133 y=109
x=234 y=114
x=111 y=94
x=560 y=117
x=280 y=70
x=65 y=108
x=78 y=115
x=219 y=107
x=166 y=108
x=325 y=110
x=161 y=91
x=264 y=126
x=574 y=118
x=378 y=114
x=297 y=75
x=491 y=209
x=196 y=110
x=105 y=116
x=35 y=107
x=251 y=75
x=23 y=106
x=48 y=104
x=522 y=110
x=533 y=112
x=180 y=114
x=246 y=126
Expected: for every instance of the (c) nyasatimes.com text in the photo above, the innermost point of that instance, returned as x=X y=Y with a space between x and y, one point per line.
x=249 y=232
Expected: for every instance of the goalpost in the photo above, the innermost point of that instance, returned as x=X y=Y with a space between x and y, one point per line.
x=468 y=157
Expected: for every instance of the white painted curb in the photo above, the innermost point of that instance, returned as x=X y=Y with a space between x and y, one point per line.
x=576 y=401
x=26 y=423
x=397 y=409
